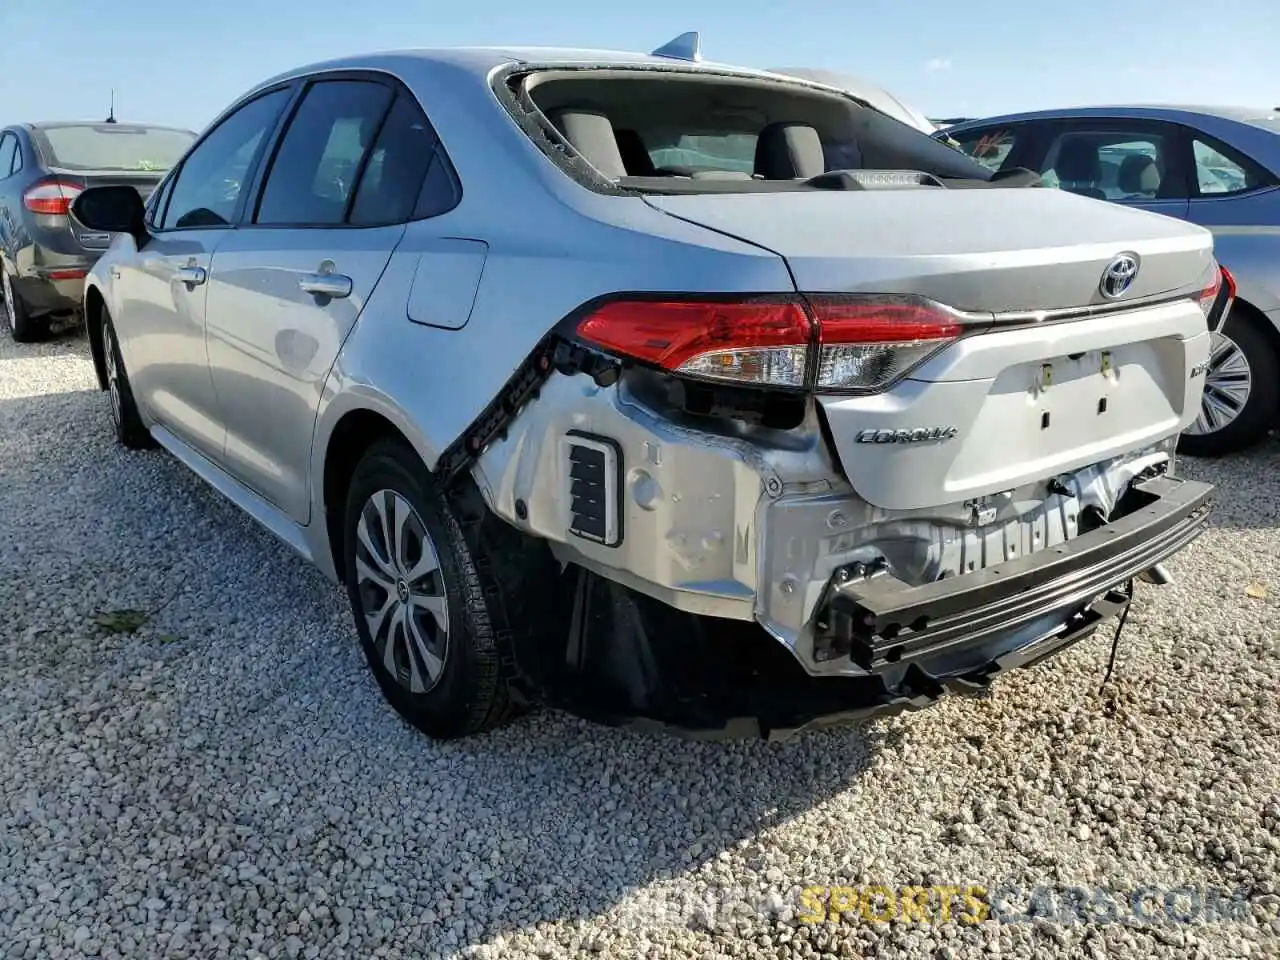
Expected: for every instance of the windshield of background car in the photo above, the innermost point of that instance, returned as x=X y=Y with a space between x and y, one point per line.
x=110 y=146
x=703 y=132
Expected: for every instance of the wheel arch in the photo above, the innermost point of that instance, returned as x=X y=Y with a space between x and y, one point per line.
x=94 y=304
x=346 y=429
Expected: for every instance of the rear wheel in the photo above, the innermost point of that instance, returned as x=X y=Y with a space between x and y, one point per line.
x=21 y=325
x=428 y=627
x=1241 y=391
x=131 y=432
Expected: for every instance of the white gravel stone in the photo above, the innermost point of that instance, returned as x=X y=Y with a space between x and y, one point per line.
x=226 y=782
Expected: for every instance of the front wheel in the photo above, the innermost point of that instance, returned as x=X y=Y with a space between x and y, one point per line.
x=426 y=623
x=1241 y=391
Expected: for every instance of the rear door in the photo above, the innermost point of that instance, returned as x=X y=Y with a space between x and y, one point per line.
x=159 y=293
x=287 y=287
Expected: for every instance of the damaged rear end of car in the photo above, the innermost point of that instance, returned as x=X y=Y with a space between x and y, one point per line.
x=940 y=453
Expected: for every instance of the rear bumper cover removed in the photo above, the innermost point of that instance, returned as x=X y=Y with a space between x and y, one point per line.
x=881 y=622
x=918 y=643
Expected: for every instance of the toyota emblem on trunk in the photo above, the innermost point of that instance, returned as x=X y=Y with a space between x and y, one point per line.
x=1119 y=276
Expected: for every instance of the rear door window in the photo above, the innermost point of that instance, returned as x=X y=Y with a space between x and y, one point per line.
x=391 y=188
x=1113 y=163
x=313 y=177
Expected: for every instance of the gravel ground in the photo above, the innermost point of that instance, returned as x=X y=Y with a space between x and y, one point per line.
x=225 y=780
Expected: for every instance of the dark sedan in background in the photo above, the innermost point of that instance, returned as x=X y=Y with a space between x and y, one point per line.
x=1218 y=167
x=44 y=252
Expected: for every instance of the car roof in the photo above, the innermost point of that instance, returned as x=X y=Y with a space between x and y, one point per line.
x=481 y=60
x=1166 y=111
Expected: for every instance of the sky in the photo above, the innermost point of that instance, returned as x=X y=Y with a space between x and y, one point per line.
x=181 y=64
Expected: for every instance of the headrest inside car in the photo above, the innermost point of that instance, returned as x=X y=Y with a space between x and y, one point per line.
x=789 y=151
x=591 y=133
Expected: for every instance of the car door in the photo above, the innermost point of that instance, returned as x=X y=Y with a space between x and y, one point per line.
x=1136 y=162
x=287 y=287
x=160 y=292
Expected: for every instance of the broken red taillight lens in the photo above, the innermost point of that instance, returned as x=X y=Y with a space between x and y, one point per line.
x=51 y=197
x=825 y=343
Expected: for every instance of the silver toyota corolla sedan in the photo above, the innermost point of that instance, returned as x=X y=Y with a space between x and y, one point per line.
x=1215 y=166
x=673 y=391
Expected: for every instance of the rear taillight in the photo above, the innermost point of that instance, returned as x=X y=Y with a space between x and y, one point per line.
x=866 y=345
x=1216 y=299
x=51 y=197
x=748 y=341
x=828 y=343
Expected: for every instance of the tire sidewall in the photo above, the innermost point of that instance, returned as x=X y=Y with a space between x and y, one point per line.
x=18 y=323
x=130 y=431
x=451 y=704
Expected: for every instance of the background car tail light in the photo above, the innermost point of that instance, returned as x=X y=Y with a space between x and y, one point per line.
x=1216 y=299
x=51 y=197
x=857 y=343
x=866 y=344
x=763 y=342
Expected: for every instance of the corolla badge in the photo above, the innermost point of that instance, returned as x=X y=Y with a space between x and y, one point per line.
x=918 y=435
x=1119 y=276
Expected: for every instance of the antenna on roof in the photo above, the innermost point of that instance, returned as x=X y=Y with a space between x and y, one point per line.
x=111 y=117
x=687 y=46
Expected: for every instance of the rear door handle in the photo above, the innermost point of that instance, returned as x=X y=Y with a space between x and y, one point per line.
x=191 y=276
x=333 y=285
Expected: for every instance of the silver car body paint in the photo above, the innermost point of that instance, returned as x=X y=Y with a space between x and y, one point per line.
x=747 y=525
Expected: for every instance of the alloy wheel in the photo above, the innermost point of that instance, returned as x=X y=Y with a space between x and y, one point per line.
x=113 y=374
x=1227 y=384
x=401 y=591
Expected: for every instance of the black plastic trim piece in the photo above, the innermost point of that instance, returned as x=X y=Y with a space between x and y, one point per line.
x=619 y=473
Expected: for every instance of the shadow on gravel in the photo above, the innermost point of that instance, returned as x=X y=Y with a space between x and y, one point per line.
x=240 y=726
x=66 y=340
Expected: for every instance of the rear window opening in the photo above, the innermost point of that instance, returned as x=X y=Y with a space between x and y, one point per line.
x=684 y=131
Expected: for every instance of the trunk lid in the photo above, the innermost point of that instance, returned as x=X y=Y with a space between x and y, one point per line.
x=1016 y=403
x=991 y=250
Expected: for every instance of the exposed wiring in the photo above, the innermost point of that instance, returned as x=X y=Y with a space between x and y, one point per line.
x=1115 y=639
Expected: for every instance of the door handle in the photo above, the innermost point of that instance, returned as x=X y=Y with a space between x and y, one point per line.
x=191 y=276
x=333 y=285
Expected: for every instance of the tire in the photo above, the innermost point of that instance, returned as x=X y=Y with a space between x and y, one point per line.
x=131 y=432
x=22 y=327
x=1242 y=390
x=457 y=679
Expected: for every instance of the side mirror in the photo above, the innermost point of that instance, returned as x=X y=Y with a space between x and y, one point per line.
x=114 y=209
